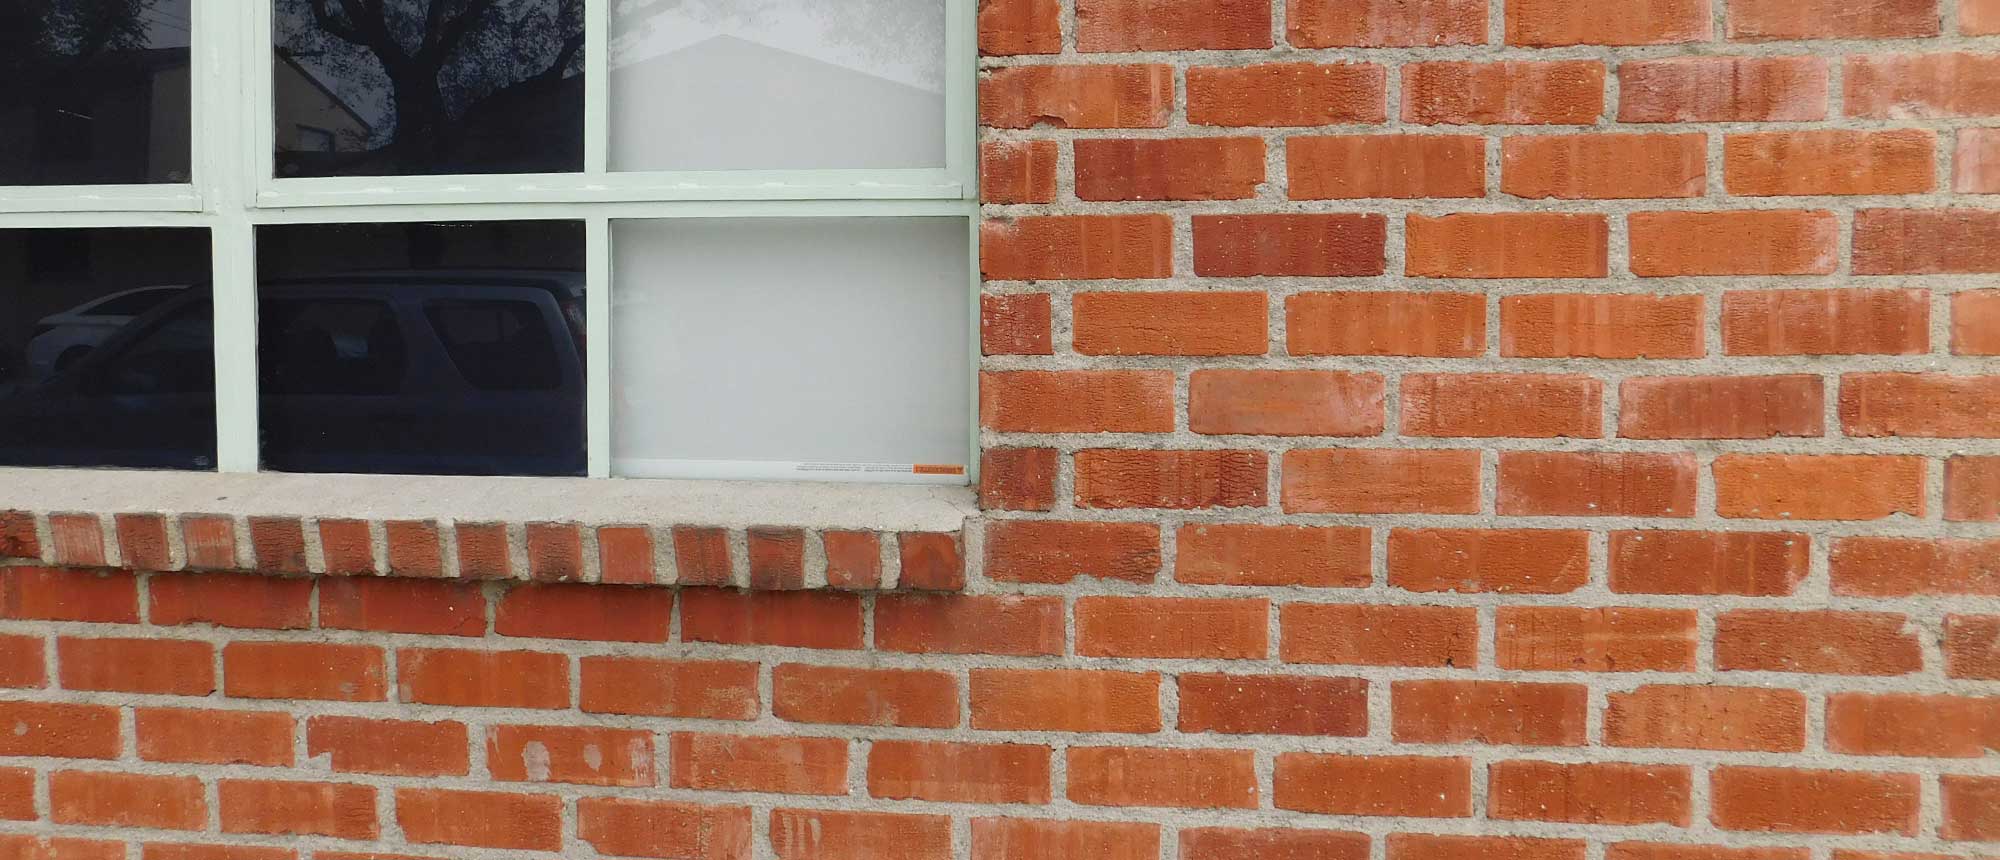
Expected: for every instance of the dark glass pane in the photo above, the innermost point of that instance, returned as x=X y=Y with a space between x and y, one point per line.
x=432 y=349
x=416 y=87
x=107 y=349
x=96 y=92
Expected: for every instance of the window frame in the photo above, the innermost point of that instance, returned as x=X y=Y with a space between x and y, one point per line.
x=234 y=190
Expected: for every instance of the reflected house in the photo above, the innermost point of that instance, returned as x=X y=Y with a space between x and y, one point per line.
x=771 y=99
x=312 y=120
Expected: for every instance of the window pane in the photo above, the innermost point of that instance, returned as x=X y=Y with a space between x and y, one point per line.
x=107 y=349
x=96 y=94
x=433 y=349
x=789 y=340
x=408 y=87
x=776 y=84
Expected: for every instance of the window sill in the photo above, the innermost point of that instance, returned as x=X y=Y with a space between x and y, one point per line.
x=667 y=532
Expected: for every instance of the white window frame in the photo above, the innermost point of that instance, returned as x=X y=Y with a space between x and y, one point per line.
x=235 y=190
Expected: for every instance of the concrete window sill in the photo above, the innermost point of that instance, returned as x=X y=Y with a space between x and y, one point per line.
x=712 y=533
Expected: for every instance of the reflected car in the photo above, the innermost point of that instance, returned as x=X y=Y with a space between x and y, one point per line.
x=445 y=372
x=61 y=339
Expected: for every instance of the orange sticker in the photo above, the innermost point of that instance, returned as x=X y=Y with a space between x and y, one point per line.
x=927 y=469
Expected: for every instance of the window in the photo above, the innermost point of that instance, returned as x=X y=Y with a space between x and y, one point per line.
x=637 y=238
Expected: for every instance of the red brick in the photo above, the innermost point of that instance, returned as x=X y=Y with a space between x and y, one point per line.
x=1379 y=635
x=854 y=558
x=1516 y=405
x=1589 y=793
x=1172 y=25
x=297 y=808
x=1519 y=92
x=414 y=548
x=1285 y=403
x=1418 y=846
x=1602 y=639
x=1723 y=89
x=29 y=847
x=1819 y=487
x=1972 y=489
x=1783 y=164
x=1136 y=776
x=932 y=561
x=1065 y=700
x=1228 y=843
x=303 y=670
x=1273 y=705
x=1405 y=786
x=701 y=689
x=1245 y=554
x=1095 y=96
x=1506 y=561
x=1490 y=712
x=1385 y=166
x=1813 y=801
x=1604 y=166
x=1904 y=567
x=1287 y=94
x=1548 y=23
x=1384 y=23
x=577 y=611
x=59 y=730
x=1972 y=646
x=864 y=697
x=984 y=624
x=229 y=600
x=789 y=765
x=958 y=772
x=1832 y=19
x=1976 y=161
x=483 y=679
x=701 y=556
x=1971 y=807
x=1176 y=627
x=483 y=551
x=625 y=555
x=78 y=539
x=1707 y=718
x=1926 y=241
x=1820 y=642
x=1585 y=484
x=1975 y=322
x=1349 y=480
x=777 y=561
x=1076 y=247
x=391 y=605
x=347 y=546
x=1181 y=323
x=1508 y=245
x=1201 y=168
x=1826 y=322
x=1020 y=27
x=1753 y=564
x=1979 y=17
x=62 y=594
x=1922 y=86
x=391 y=747
x=17 y=536
x=1016 y=171
x=481 y=819
x=177 y=851
x=142 y=542
x=1124 y=478
x=1748 y=242
x=555 y=551
x=1920 y=404
x=1039 y=839
x=654 y=828
x=17 y=797
x=1578 y=325
x=1721 y=407
x=210 y=542
x=1443 y=325
x=175 y=667
x=1055 y=552
x=825 y=834
x=21 y=662
x=1077 y=401
x=127 y=800
x=278 y=544
x=1015 y=324
x=1912 y=725
x=1318 y=245
x=583 y=755
x=798 y=619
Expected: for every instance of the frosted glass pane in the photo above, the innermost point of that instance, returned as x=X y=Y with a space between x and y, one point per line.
x=776 y=84
x=787 y=340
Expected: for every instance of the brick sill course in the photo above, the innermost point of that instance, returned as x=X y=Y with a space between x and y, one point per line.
x=757 y=535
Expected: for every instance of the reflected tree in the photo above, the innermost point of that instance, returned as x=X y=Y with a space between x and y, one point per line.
x=35 y=31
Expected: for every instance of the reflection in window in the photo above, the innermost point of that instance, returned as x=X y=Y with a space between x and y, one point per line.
x=861 y=80
x=447 y=349
x=107 y=353
x=409 y=87
x=96 y=92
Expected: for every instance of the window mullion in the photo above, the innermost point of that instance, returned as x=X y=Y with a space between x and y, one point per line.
x=596 y=85
x=597 y=346
x=226 y=49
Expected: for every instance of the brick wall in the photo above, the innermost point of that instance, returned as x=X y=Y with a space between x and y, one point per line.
x=1414 y=430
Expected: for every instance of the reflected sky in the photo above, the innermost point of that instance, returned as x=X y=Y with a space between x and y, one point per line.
x=900 y=40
